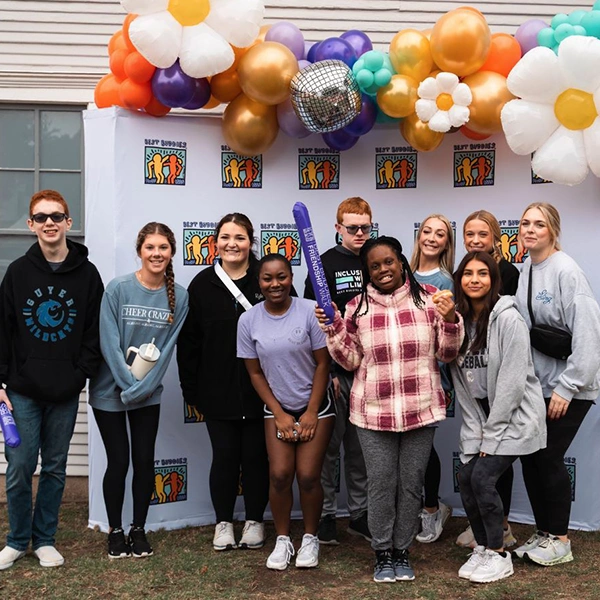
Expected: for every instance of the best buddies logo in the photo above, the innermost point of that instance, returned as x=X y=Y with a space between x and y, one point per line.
x=240 y=172
x=281 y=238
x=395 y=168
x=474 y=164
x=164 y=162
x=199 y=244
x=318 y=169
x=509 y=245
x=170 y=481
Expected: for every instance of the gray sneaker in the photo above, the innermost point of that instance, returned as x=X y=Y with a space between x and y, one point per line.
x=433 y=523
x=384 y=567
x=402 y=569
x=551 y=551
x=530 y=544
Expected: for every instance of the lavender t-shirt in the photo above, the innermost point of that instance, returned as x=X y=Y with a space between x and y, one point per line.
x=284 y=345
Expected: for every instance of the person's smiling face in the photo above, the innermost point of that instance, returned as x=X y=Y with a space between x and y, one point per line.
x=385 y=269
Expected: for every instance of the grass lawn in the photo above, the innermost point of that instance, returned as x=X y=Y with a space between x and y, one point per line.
x=185 y=566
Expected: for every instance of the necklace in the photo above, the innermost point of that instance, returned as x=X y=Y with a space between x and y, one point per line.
x=138 y=274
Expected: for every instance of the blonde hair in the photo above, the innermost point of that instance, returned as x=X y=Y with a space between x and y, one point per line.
x=446 y=258
x=491 y=221
x=552 y=217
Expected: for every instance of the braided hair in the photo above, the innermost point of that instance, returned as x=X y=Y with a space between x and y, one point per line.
x=416 y=291
x=153 y=228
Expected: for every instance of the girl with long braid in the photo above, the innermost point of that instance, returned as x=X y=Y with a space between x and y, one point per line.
x=392 y=336
x=144 y=310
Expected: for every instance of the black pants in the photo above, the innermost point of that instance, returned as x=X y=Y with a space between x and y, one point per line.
x=477 y=480
x=238 y=445
x=546 y=476
x=143 y=425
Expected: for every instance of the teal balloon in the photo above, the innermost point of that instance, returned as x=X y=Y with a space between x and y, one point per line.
x=387 y=64
x=559 y=19
x=372 y=90
x=596 y=5
x=576 y=16
x=579 y=30
x=373 y=60
x=546 y=37
x=555 y=49
x=382 y=77
x=359 y=65
x=563 y=31
x=385 y=119
x=591 y=23
x=364 y=78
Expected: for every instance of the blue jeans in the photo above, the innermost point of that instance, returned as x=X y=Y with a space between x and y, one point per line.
x=45 y=429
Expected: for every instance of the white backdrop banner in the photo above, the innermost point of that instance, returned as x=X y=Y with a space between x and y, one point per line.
x=177 y=170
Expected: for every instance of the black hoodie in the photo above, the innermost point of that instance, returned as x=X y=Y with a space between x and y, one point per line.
x=49 y=338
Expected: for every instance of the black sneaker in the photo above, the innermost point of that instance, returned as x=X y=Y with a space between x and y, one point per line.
x=117 y=544
x=384 y=567
x=139 y=544
x=402 y=569
x=327 y=532
x=360 y=527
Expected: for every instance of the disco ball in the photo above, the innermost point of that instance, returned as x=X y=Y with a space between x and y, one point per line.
x=325 y=96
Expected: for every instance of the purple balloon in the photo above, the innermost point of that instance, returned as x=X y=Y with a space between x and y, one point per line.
x=289 y=35
x=310 y=53
x=527 y=34
x=366 y=118
x=201 y=94
x=336 y=49
x=360 y=41
x=172 y=87
x=307 y=47
x=289 y=122
x=302 y=64
x=339 y=140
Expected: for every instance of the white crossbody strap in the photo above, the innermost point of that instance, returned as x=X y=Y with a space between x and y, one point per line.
x=233 y=289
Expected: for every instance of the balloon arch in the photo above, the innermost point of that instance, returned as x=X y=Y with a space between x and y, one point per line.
x=540 y=87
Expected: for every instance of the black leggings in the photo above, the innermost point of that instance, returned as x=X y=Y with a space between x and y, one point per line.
x=143 y=424
x=238 y=446
x=545 y=474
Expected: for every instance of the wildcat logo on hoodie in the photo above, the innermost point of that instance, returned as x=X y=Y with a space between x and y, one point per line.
x=50 y=313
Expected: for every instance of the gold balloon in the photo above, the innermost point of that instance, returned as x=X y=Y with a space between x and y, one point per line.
x=490 y=94
x=249 y=128
x=410 y=54
x=460 y=42
x=397 y=99
x=418 y=134
x=265 y=72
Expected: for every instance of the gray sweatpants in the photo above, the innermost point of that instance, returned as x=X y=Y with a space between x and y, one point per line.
x=354 y=463
x=396 y=464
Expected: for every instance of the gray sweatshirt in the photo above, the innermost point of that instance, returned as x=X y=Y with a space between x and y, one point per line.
x=131 y=315
x=561 y=296
x=516 y=424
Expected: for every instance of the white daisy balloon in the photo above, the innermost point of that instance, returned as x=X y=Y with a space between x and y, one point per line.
x=443 y=102
x=556 y=115
x=198 y=32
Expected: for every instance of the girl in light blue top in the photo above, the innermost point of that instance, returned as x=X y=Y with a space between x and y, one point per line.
x=145 y=307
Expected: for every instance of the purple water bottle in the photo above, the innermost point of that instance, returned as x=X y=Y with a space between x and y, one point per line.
x=9 y=427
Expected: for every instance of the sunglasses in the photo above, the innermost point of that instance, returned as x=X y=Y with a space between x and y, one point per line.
x=353 y=229
x=43 y=217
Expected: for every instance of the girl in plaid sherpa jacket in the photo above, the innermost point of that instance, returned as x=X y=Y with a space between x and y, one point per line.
x=392 y=337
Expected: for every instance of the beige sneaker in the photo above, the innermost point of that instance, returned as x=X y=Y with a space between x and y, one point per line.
x=467 y=540
x=223 y=538
x=49 y=556
x=253 y=535
x=9 y=556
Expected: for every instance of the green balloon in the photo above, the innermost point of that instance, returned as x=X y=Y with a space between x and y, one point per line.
x=591 y=23
x=546 y=37
x=373 y=60
x=387 y=64
x=359 y=65
x=563 y=31
x=382 y=77
x=559 y=19
x=576 y=16
x=579 y=30
x=364 y=78
x=596 y=5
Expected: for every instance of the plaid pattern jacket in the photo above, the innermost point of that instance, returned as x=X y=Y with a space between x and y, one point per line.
x=394 y=350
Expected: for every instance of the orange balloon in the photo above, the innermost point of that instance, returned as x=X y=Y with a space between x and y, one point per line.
x=490 y=94
x=265 y=72
x=418 y=134
x=472 y=135
x=135 y=95
x=471 y=8
x=107 y=92
x=460 y=42
x=261 y=35
x=126 y=23
x=505 y=53
x=212 y=103
x=225 y=86
x=116 y=42
x=397 y=99
x=156 y=109
x=249 y=128
x=117 y=63
x=137 y=68
x=410 y=54
x=427 y=32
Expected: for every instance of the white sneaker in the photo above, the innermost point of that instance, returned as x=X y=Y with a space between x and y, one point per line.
x=530 y=544
x=49 y=556
x=224 y=539
x=308 y=555
x=433 y=523
x=9 y=556
x=475 y=559
x=493 y=567
x=253 y=535
x=282 y=554
x=551 y=551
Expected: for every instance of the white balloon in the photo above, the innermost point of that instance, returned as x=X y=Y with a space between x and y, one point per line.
x=562 y=158
x=428 y=89
x=536 y=77
x=578 y=60
x=204 y=52
x=591 y=140
x=425 y=109
x=238 y=21
x=459 y=115
x=527 y=125
x=157 y=38
x=462 y=95
x=440 y=122
x=144 y=7
x=446 y=82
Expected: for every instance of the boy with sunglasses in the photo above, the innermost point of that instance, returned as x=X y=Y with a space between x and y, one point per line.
x=49 y=345
x=344 y=279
